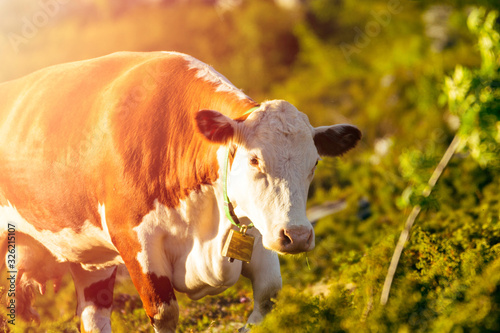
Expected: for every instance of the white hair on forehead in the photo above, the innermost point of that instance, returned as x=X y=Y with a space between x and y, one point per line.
x=280 y=117
x=284 y=136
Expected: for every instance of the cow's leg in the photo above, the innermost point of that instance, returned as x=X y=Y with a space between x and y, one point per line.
x=264 y=273
x=144 y=255
x=94 y=291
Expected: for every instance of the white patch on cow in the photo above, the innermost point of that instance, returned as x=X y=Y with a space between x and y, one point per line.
x=150 y=233
x=85 y=247
x=264 y=272
x=167 y=317
x=102 y=213
x=209 y=74
x=96 y=319
x=163 y=224
x=185 y=243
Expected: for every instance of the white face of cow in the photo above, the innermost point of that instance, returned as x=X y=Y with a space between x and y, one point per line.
x=277 y=152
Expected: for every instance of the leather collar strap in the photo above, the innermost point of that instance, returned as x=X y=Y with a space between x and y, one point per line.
x=228 y=206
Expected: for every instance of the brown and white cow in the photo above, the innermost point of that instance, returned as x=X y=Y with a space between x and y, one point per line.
x=119 y=160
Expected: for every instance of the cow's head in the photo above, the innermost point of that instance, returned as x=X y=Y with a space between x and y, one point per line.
x=274 y=161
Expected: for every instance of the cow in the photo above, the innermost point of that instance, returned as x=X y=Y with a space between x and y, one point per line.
x=127 y=159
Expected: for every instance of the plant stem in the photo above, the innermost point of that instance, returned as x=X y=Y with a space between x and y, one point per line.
x=405 y=234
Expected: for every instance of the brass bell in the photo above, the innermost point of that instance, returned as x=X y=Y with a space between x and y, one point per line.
x=238 y=245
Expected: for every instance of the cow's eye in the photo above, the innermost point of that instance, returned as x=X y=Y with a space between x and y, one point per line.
x=315 y=165
x=254 y=161
x=314 y=169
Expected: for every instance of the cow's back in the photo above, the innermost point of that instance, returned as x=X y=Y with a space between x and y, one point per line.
x=55 y=108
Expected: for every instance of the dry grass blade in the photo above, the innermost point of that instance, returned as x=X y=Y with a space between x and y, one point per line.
x=405 y=234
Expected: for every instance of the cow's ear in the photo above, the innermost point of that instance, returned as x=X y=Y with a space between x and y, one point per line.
x=336 y=140
x=215 y=126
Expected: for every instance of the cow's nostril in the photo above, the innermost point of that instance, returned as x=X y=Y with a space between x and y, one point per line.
x=296 y=239
x=310 y=238
x=285 y=239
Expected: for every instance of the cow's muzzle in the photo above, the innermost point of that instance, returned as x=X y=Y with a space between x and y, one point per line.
x=295 y=239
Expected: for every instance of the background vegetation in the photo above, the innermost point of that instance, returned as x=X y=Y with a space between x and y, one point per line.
x=410 y=74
